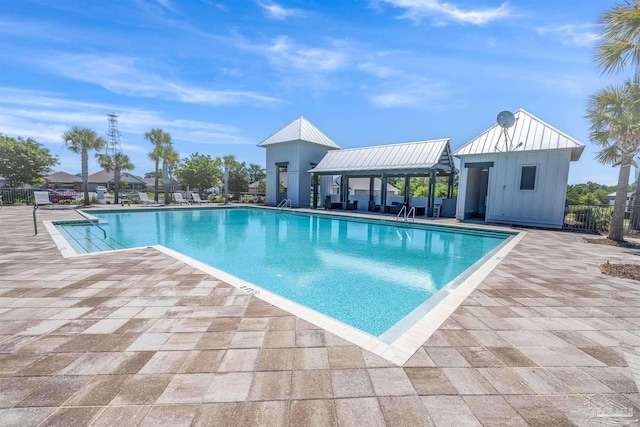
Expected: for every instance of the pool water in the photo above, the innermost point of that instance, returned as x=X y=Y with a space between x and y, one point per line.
x=369 y=275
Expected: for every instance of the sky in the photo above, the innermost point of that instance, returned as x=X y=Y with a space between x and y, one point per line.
x=221 y=76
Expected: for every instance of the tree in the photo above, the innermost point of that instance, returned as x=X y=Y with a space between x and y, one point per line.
x=256 y=173
x=200 y=171
x=170 y=159
x=152 y=174
x=614 y=113
x=24 y=161
x=619 y=44
x=617 y=49
x=160 y=140
x=81 y=141
x=117 y=163
x=238 y=174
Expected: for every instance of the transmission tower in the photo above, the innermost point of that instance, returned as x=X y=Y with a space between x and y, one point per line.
x=113 y=136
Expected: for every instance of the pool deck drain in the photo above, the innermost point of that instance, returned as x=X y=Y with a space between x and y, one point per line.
x=140 y=337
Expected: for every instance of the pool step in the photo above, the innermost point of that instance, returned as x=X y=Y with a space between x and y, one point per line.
x=88 y=238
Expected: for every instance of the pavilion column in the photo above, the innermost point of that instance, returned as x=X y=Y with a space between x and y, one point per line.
x=450 y=189
x=407 y=190
x=344 y=190
x=432 y=190
x=315 y=191
x=372 y=190
x=383 y=193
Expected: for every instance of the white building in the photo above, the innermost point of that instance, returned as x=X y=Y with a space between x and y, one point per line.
x=294 y=150
x=522 y=180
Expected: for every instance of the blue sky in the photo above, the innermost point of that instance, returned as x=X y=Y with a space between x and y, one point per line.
x=221 y=76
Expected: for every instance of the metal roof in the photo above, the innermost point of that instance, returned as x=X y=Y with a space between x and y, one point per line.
x=408 y=157
x=533 y=133
x=300 y=129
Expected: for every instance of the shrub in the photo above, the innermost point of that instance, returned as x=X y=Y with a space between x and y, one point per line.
x=66 y=202
x=593 y=217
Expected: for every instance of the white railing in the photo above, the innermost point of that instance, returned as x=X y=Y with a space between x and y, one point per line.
x=411 y=214
x=284 y=204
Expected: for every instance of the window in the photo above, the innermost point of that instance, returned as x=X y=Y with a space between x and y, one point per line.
x=528 y=178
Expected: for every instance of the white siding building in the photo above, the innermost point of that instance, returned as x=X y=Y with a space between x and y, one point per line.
x=294 y=150
x=522 y=180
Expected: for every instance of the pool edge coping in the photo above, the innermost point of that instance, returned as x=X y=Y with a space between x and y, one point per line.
x=398 y=352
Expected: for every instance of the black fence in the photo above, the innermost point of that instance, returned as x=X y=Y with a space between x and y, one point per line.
x=597 y=218
x=17 y=196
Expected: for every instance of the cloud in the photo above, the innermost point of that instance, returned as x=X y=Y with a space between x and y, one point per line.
x=415 y=94
x=416 y=10
x=275 y=11
x=45 y=116
x=167 y=4
x=123 y=76
x=580 y=35
x=285 y=53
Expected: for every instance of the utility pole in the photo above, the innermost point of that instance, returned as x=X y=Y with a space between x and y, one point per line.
x=113 y=149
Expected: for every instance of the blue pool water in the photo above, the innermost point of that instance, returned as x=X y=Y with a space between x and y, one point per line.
x=366 y=274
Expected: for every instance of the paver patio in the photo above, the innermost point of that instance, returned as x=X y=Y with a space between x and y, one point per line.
x=139 y=338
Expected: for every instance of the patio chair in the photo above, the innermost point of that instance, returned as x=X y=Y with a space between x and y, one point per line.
x=437 y=207
x=178 y=198
x=145 y=199
x=42 y=198
x=197 y=199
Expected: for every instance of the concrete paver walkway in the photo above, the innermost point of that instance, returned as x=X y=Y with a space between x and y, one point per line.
x=139 y=338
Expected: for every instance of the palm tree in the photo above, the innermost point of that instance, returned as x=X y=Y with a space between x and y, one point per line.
x=170 y=159
x=614 y=113
x=619 y=45
x=118 y=163
x=159 y=139
x=619 y=48
x=81 y=141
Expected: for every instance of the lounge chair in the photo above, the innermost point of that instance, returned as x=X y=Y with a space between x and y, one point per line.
x=145 y=199
x=42 y=198
x=197 y=199
x=178 y=198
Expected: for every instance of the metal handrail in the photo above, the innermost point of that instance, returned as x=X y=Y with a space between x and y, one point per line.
x=92 y=222
x=412 y=212
x=284 y=203
x=402 y=213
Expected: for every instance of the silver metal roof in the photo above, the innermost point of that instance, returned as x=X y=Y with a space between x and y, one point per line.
x=300 y=129
x=408 y=157
x=533 y=133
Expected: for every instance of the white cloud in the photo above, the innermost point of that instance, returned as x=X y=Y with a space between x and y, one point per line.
x=285 y=53
x=416 y=10
x=415 y=94
x=572 y=34
x=275 y=11
x=123 y=76
x=45 y=116
x=167 y=4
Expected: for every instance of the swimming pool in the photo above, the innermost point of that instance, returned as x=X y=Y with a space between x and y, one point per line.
x=367 y=274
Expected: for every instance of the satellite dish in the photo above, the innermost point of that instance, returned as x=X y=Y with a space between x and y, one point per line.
x=506 y=119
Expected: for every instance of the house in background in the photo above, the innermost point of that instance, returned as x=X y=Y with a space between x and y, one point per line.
x=520 y=179
x=612 y=199
x=359 y=186
x=64 y=180
x=105 y=179
x=294 y=150
x=3 y=181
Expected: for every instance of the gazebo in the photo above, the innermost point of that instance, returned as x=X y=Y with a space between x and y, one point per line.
x=412 y=159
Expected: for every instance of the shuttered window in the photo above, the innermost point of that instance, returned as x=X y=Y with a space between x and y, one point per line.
x=528 y=178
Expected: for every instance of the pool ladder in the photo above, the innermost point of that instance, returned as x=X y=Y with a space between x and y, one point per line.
x=284 y=204
x=93 y=222
x=403 y=214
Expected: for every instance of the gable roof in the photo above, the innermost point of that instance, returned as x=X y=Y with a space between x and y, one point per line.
x=532 y=132
x=62 y=177
x=300 y=129
x=406 y=157
x=104 y=177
